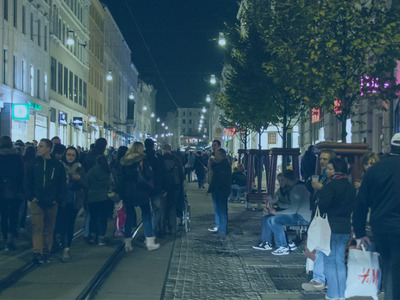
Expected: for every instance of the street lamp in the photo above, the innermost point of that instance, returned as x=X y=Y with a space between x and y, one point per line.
x=144 y=107
x=131 y=96
x=162 y=124
x=166 y=127
x=208 y=99
x=221 y=39
x=152 y=115
x=158 y=120
x=213 y=80
x=202 y=117
x=203 y=110
x=109 y=76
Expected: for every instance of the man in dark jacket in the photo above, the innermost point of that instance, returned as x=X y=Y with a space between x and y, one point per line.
x=380 y=192
x=98 y=149
x=156 y=165
x=11 y=190
x=45 y=185
x=172 y=180
x=220 y=188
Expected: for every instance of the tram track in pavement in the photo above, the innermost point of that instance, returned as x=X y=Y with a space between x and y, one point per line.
x=90 y=291
x=21 y=272
x=96 y=281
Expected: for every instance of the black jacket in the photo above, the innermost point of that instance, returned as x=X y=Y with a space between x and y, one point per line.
x=155 y=162
x=11 y=174
x=134 y=188
x=380 y=190
x=222 y=177
x=46 y=181
x=89 y=160
x=337 y=199
x=166 y=180
x=239 y=178
x=199 y=166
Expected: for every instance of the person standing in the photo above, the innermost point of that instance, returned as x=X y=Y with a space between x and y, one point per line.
x=317 y=283
x=73 y=200
x=337 y=199
x=45 y=185
x=200 y=170
x=135 y=185
x=98 y=186
x=220 y=188
x=11 y=190
x=380 y=191
x=173 y=178
x=216 y=144
x=155 y=163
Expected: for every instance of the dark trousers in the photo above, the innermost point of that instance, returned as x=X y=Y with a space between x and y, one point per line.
x=156 y=200
x=170 y=209
x=98 y=217
x=388 y=245
x=9 y=209
x=67 y=217
x=131 y=219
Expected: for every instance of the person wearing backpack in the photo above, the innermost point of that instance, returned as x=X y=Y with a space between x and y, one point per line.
x=173 y=177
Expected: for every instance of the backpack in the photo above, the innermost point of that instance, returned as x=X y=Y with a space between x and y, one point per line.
x=171 y=172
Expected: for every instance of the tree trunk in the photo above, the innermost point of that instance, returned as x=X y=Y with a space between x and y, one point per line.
x=259 y=139
x=344 y=130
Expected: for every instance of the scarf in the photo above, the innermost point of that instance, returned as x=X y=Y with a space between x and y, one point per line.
x=337 y=176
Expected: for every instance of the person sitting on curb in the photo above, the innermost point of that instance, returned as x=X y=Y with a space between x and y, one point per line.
x=298 y=214
x=238 y=183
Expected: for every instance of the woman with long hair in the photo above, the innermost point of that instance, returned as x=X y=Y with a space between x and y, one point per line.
x=135 y=186
x=367 y=160
x=336 y=199
x=98 y=182
x=73 y=200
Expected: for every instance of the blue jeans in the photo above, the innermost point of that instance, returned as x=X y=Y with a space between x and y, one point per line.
x=221 y=202
x=146 y=218
x=214 y=199
x=335 y=267
x=239 y=191
x=276 y=223
x=318 y=272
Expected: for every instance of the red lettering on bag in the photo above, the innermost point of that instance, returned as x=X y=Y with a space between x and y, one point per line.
x=364 y=276
x=375 y=276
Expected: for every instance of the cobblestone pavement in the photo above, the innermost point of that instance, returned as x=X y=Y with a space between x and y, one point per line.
x=205 y=267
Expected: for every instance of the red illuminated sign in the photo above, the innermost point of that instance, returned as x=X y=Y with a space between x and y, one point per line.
x=315 y=115
x=337 y=106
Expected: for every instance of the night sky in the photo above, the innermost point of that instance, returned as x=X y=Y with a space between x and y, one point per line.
x=182 y=38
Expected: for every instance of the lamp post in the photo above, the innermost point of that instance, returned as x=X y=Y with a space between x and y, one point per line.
x=221 y=39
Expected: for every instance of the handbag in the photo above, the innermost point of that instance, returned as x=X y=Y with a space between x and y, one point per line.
x=319 y=234
x=119 y=218
x=363 y=273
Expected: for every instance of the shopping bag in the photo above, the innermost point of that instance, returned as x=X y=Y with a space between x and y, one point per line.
x=194 y=176
x=119 y=218
x=319 y=234
x=362 y=273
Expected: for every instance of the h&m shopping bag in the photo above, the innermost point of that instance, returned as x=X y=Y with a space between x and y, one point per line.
x=319 y=234
x=362 y=273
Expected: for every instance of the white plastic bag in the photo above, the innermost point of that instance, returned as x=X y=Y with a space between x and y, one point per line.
x=309 y=265
x=362 y=273
x=319 y=234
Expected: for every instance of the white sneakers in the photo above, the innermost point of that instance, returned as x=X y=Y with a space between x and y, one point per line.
x=214 y=229
x=312 y=285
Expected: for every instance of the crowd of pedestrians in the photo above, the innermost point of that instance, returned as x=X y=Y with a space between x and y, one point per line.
x=56 y=183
